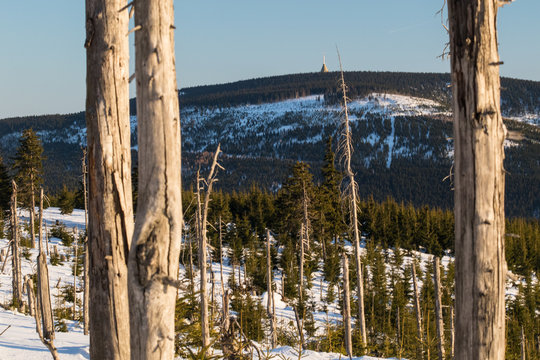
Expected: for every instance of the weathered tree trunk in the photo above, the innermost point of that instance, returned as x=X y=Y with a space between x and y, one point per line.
x=221 y=258
x=40 y=236
x=203 y=241
x=347 y=148
x=302 y=255
x=418 y=312
x=479 y=136
x=438 y=306
x=86 y=291
x=42 y=309
x=74 y=310
x=270 y=302
x=110 y=218
x=32 y=212
x=30 y=294
x=44 y=297
x=523 y=350
x=452 y=333
x=15 y=254
x=347 y=307
x=153 y=259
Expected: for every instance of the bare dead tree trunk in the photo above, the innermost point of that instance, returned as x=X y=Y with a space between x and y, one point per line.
x=191 y=268
x=300 y=327
x=74 y=310
x=438 y=306
x=418 y=312
x=32 y=212
x=221 y=257
x=28 y=283
x=203 y=241
x=110 y=218
x=42 y=309
x=452 y=333
x=523 y=351
x=86 y=291
x=153 y=259
x=301 y=275
x=479 y=135
x=347 y=149
x=347 y=306
x=270 y=302
x=15 y=253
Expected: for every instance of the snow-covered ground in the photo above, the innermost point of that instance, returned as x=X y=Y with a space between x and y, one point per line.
x=20 y=340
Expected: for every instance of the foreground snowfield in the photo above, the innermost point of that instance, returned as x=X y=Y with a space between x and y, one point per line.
x=20 y=340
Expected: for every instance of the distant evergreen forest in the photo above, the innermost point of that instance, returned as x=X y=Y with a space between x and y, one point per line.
x=415 y=180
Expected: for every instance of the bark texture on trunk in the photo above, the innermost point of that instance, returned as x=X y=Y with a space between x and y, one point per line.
x=15 y=252
x=438 y=306
x=418 y=312
x=16 y=278
x=110 y=218
x=32 y=213
x=347 y=307
x=154 y=255
x=270 y=290
x=86 y=280
x=347 y=148
x=479 y=135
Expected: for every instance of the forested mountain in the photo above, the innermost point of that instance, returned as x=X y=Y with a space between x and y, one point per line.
x=401 y=128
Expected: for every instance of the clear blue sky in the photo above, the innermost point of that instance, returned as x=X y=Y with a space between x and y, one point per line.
x=42 y=58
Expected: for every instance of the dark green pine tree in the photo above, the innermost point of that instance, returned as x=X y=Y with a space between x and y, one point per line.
x=5 y=188
x=329 y=221
x=28 y=166
x=66 y=200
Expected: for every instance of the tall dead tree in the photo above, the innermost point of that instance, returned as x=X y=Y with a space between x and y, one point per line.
x=418 y=312
x=32 y=212
x=86 y=282
x=15 y=254
x=347 y=306
x=202 y=210
x=110 y=213
x=43 y=311
x=270 y=302
x=352 y=198
x=479 y=135
x=438 y=306
x=153 y=259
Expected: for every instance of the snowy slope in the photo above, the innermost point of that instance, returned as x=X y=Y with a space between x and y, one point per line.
x=21 y=340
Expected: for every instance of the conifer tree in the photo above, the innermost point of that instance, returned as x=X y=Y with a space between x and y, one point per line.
x=28 y=166
x=5 y=188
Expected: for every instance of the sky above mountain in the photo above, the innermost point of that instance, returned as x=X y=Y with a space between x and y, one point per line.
x=43 y=59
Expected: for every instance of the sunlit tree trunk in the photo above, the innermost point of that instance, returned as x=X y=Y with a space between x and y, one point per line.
x=15 y=254
x=479 y=136
x=153 y=259
x=110 y=213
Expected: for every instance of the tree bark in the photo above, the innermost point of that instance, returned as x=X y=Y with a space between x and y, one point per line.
x=438 y=306
x=346 y=145
x=15 y=254
x=32 y=212
x=86 y=291
x=110 y=218
x=270 y=302
x=479 y=136
x=203 y=241
x=153 y=259
x=418 y=312
x=347 y=307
